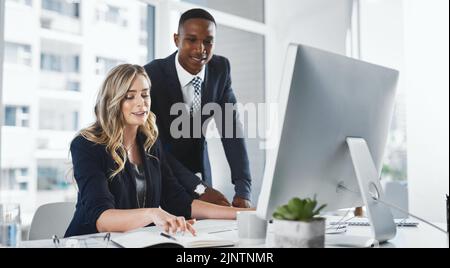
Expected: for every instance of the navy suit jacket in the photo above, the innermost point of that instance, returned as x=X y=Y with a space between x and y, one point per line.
x=193 y=152
x=92 y=166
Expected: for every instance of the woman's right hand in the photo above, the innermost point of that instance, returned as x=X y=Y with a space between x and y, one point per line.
x=171 y=223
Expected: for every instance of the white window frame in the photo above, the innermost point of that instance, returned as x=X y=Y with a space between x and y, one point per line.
x=63 y=11
x=22 y=55
x=20 y=115
x=99 y=67
x=2 y=48
x=102 y=14
x=21 y=2
x=18 y=177
x=354 y=46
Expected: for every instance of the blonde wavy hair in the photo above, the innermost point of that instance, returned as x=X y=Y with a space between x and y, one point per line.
x=109 y=125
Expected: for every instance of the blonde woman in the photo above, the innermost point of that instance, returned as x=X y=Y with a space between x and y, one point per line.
x=121 y=170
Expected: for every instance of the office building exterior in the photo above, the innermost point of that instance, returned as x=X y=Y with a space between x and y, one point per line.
x=56 y=54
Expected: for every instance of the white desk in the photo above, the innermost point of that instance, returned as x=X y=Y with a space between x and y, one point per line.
x=422 y=236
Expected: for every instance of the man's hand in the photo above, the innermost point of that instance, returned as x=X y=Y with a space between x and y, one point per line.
x=240 y=202
x=211 y=195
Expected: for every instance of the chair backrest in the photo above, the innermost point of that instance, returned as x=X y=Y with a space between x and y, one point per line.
x=51 y=219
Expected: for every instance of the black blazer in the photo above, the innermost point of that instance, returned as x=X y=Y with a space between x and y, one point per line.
x=192 y=152
x=92 y=166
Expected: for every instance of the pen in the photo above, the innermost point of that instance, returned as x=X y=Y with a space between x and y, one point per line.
x=168 y=236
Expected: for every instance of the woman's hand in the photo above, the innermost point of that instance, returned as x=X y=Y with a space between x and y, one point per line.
x=171 y=223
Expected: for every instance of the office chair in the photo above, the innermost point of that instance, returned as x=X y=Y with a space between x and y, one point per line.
x=51 y=219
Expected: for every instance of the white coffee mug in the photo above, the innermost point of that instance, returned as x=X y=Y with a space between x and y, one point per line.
x=251 y=229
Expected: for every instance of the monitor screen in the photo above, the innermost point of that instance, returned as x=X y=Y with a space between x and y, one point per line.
x=324 y=99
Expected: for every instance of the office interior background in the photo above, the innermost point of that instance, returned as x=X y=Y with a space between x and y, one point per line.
x=56 y=53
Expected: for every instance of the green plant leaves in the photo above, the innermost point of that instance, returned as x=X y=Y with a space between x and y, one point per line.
x=319 y=209
x=298 y=209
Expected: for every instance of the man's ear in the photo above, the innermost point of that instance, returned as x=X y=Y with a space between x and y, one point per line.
x=176 y=39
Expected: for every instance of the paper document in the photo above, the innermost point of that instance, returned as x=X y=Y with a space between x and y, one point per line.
x=142 y=239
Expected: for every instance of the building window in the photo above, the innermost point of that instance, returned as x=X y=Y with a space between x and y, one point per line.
x=14 y=179
x=112 y=14
x=63 y=7
x=51 y=62
x=143 y=31
x=18 y=54
x=52 y=175
x=75 y=118
x=58 y=120
x=22 y=2
x=73 y=64
x=59 y=63
x=376 y=24
x=73 y=86
x=17 y=116
x=62 y=73
x=104 y=65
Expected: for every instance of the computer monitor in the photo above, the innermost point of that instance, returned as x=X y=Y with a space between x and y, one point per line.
x=336 y=115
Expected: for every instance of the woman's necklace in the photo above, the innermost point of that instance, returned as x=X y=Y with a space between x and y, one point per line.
x=130 y=148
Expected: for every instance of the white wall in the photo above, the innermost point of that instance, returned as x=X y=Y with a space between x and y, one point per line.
x=382 y=39
x=427 y=83
x=319 y=23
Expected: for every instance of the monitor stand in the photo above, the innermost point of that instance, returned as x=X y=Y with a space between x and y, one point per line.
x=379 y=215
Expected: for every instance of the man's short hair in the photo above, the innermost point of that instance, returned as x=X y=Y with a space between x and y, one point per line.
x=196 y=13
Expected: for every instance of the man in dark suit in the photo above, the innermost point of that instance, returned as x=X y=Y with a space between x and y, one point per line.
x=195 y=77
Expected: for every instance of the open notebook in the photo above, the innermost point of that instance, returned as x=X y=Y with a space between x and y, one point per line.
x=143 y=239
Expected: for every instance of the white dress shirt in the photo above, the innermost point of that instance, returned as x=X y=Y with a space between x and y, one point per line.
x=185 y=81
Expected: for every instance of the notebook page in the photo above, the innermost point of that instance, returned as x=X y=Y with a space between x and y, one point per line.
x=204 y=240
x=142 y=239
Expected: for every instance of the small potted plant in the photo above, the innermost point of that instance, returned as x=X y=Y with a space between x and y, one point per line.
x=297 y=225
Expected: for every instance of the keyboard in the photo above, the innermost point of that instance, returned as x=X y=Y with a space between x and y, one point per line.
x=215 y=226
x=365 y=222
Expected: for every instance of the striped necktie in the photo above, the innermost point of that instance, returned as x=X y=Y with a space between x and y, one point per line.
x=197 y=101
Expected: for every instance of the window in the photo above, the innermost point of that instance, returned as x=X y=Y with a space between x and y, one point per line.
x=73 y=86
x=105 y=64
x=112 y=14
x=52 y=175
x=19 y=54
x=378 y=20
x=250 y=9
x=14 y=179
x=46 y=23
x=63 y=7
x=148 y=32
x=51 y=62
x=17 y=116
x=22 y=2
x=53 y=5
x=59 y=88
x=73 y=64
x=58 y=120
x=59 y=63
x=75 y=124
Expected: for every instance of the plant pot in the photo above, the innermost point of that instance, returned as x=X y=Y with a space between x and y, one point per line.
x=299 y=234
